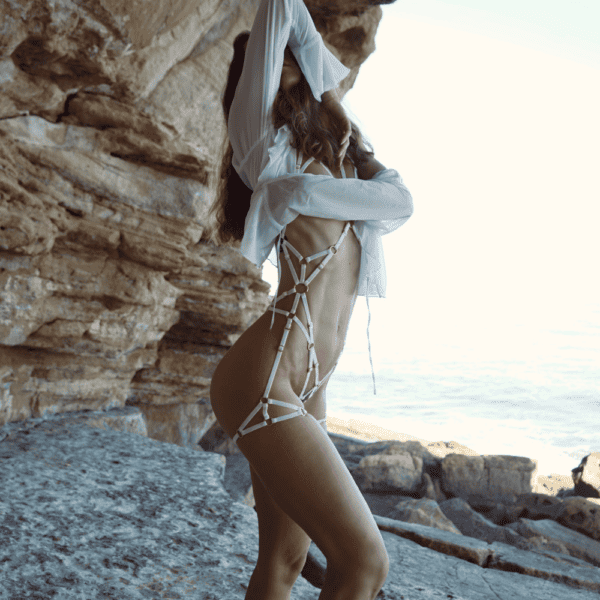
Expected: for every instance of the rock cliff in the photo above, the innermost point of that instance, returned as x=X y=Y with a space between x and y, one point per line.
x=111 y=130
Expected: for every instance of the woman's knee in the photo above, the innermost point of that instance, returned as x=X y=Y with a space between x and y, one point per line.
x=371 y=562
x=384 y=567
x=364 y=579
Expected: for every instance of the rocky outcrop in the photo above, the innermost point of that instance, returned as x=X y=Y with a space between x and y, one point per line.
x=90 y=507
x=398 y=467
x=484 y=498
x=438 y=501
x=586 y=476
x=111 y=130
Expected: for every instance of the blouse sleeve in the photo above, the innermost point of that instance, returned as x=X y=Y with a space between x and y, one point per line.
x=383 y=201
x=277 y=23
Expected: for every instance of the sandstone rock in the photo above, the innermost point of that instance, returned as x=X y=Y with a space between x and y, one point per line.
x=530 y=506
x=348 y=447
x=512 y=562
x=432 y=488
x=431 y=463
x=424 y=511
x=93 y=322
x=552 y=485
x=539 y=506
x=110 y=136
x=468 y=522
x=581 y=515
x=567 y=541
x=475 y=525
x=442 y=449
x=586 y=476
x=501 y=477
x=389 y=473
x=483 y=513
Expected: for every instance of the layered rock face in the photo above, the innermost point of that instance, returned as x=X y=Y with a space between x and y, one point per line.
x=111 y=133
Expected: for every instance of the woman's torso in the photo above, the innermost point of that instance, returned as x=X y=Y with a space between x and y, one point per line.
x=331 y=296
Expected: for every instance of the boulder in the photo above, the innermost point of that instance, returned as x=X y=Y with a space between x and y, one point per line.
x=530 y=506
x=552 y=485
x=383 y=496
x=389 y=473
x=494 y=477
x=569 y=542
x=586 y=476
x=424 y=511
x=581 y=515
x=469 y=522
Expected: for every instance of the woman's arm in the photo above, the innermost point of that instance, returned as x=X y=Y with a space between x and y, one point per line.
x=330 y=96
x=369 y=167
x=277 y=23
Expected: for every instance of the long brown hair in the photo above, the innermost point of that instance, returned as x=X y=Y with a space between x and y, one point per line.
x=305 y=117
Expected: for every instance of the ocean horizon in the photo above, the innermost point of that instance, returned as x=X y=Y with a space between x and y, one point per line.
x=543 y=404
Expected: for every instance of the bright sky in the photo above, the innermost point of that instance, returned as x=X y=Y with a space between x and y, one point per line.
x=490 y=115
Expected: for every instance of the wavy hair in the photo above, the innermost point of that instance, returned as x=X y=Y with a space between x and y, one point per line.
x=305 y=117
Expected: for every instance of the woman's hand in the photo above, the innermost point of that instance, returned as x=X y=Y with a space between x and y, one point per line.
x=342 y=125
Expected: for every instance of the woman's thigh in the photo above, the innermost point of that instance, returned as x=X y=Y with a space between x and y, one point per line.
x=282 y=542
x=316 y=405
x=304 y=474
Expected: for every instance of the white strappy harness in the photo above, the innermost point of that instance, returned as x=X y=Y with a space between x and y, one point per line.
x=300 y=289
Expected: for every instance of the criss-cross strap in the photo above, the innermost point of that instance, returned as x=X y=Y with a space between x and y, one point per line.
x=299 y=290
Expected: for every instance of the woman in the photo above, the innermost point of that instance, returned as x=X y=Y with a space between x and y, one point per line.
x=285 y=127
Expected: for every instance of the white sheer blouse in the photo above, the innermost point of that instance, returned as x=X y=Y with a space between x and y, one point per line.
x=266 y=162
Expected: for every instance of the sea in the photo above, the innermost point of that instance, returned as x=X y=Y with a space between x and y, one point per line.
x=504 y=363
x=539 y=398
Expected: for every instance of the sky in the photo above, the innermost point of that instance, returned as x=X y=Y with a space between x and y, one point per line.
x=489 y=112
x=565 y=28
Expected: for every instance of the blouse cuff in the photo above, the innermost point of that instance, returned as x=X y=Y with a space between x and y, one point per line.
x=322 y=69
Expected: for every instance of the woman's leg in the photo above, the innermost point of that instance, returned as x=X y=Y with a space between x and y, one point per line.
x=283 y=544
x=304 y=474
